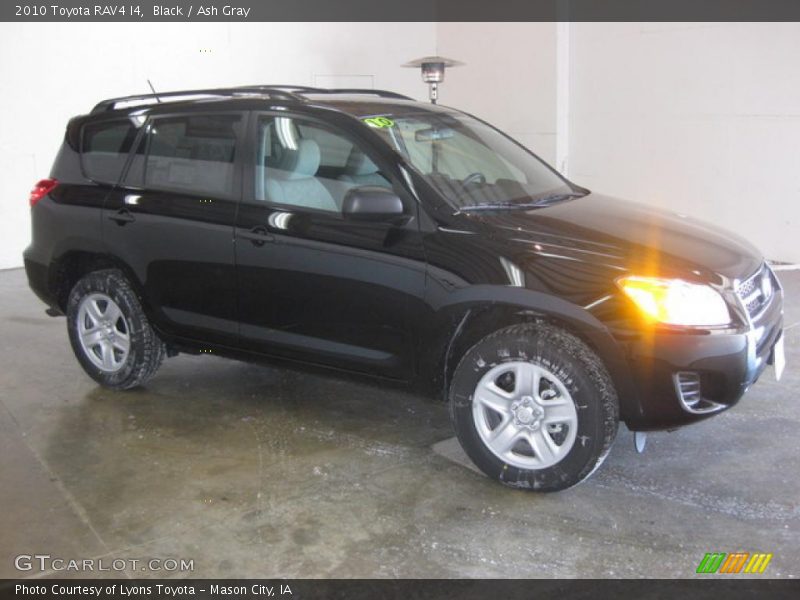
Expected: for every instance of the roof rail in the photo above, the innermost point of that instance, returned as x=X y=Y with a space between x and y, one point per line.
x=283 y=92
x=371 y=92
x=146 y=99
x=291 y=88
x=303 y=89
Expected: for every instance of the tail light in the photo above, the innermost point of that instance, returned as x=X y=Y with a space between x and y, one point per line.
x=41 y=189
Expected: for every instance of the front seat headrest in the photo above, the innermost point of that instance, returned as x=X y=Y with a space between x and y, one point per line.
x=359 y=163
x=307 y=162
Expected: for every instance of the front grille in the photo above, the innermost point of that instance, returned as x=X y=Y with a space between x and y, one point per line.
x=756 y=291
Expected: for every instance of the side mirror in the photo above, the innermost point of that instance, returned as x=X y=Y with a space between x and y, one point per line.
x=371 y=203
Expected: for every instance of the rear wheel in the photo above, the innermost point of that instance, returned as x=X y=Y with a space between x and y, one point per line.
x=109 y=332
x=534 y=407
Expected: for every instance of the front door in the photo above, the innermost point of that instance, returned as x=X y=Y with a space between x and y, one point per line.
x=313 y=285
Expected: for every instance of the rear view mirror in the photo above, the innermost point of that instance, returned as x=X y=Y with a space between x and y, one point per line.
x=431 y=134
x=371 y=203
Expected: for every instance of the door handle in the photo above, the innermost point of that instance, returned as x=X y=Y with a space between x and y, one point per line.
x=122 y=216
x=258 y=235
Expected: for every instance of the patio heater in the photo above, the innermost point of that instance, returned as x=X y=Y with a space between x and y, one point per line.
x=433 y=68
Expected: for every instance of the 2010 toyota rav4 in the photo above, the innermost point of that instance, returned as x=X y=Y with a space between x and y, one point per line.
x=364 y=231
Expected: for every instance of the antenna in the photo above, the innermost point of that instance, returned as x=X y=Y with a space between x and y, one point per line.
x=155 y=93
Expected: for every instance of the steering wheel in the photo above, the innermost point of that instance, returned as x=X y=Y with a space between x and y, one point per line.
x=476 y=177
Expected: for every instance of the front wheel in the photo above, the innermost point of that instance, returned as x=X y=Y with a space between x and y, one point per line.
x=109 y=332
x=534 y=407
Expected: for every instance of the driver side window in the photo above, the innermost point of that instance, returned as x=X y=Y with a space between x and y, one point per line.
x=304 y=164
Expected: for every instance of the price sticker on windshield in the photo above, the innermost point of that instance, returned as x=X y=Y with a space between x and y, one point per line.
x=379 y=122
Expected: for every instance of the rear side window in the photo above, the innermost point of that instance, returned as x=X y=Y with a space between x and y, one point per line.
x=192 y=154
x=105 y=149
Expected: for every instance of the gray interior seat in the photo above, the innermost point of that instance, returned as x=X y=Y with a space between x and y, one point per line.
x=298 y=186
x=360 y=170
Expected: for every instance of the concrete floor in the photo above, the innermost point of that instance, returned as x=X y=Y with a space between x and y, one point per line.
x=264 y=472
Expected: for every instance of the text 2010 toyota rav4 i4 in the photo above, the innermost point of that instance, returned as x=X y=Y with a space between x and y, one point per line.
x=364 y=231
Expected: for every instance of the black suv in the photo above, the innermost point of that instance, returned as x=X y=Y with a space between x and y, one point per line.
x=363 y=231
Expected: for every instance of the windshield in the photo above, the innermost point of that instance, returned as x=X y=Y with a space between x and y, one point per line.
x=472 y=164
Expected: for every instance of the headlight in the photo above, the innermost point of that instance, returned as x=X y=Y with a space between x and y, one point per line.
x=676 y=302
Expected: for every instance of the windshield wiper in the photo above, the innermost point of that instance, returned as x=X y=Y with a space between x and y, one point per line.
x=539 y=202
x=553 y=198
x=504 y=205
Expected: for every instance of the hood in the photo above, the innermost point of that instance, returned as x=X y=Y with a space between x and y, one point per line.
x=627 y=236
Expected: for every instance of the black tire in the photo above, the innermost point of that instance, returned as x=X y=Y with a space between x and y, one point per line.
x=146 y=351
x=584 y=377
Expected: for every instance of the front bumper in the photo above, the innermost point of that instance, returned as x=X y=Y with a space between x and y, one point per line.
x=685 y=376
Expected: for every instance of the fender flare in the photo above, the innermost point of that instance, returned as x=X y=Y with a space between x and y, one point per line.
x=93 y=252
x=463 y=304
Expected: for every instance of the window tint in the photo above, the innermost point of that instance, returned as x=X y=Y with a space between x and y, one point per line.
x=455 y=156
x=105 y=149
x=192 y=154
x=334 y=149
x=135 y=174
x=469 y=162
x=304 y=164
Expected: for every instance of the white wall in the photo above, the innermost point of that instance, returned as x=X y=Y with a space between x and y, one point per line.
x=51 y=72
x=509 y=78
x=701 y=118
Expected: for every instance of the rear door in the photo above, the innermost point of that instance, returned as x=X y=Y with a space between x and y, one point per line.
x=171 y=221
x=313 y=285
